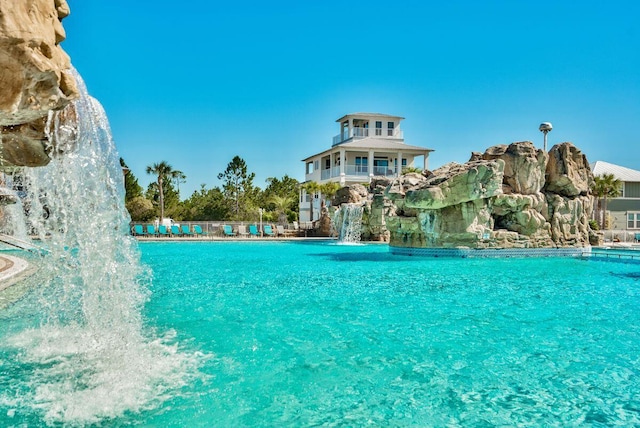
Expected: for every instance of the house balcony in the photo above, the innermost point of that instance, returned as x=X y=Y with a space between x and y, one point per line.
x=351 y=170
x=358 y=133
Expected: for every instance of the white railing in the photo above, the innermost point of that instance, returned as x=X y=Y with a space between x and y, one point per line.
x=386 y=171
x=357 y=133
x=357 y=170
x=325 y=174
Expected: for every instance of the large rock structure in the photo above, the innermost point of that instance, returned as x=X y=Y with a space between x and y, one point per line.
x=510 y=196
x=35 y=76
x=375 y=208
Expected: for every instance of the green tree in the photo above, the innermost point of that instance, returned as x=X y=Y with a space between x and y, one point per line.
x=164 y=173
x=329 y=190
x=280 y=198
x=131 y=186
x=206 y=204
x=605 y=186
x=281 y=205
x=140 y=209
x=408 y=169
x=238 y=188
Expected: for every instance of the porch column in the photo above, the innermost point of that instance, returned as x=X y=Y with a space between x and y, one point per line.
x=343 y=161
x=426 y=161
x=331 y=164
x=370 y=164
x=399 y=166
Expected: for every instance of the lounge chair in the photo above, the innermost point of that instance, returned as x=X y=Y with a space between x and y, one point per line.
x=228 y=230
x=197 y=230
x=268 y=230
x=185 y=230
x=242 y=231
x=151 y=230
x=637 y=237
x=253 y=230
x=280 y=230
x=175 y=231
x=162 y=230
x=138 y=230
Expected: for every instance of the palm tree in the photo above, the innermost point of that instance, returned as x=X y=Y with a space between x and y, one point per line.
x=281 y=204
x=605 y=186
x=329 y=190
x=408 y=169
x=163 y=171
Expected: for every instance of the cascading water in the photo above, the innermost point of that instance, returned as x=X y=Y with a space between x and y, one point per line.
x=89 y=357
x=350 y=228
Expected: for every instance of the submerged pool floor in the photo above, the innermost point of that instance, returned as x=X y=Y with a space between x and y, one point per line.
x=300 y=334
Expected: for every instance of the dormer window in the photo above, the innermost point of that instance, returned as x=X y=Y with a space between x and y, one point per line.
x=378 y=127
x=389 y=129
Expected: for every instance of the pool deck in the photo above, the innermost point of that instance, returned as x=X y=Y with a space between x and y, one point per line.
x=11 y=270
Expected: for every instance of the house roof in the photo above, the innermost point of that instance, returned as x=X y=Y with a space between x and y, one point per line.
x=377 y=144
x=619 y=172
x=390 y=116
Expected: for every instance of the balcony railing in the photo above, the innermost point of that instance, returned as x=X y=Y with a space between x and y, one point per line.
x=357 y=133
x=358 y=170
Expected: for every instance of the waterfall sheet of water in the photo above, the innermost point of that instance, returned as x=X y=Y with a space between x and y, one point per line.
x=351 y=226
x=89 y=357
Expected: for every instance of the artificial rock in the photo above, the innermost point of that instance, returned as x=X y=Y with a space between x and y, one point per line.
x=36 y=77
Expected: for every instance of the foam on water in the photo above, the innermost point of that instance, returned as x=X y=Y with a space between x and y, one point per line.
x=88 y=356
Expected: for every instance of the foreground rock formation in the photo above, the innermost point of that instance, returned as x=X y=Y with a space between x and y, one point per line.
x=513 y=196
x=35 y=76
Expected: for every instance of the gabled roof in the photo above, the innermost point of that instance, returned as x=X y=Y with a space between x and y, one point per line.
x=378 y=144
x=619 y=172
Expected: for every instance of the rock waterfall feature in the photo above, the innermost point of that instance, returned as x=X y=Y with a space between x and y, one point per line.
x=510 y=196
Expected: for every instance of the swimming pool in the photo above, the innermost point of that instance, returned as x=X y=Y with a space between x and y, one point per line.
x=299 y=334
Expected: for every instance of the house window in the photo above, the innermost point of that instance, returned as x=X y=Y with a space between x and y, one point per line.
x=378 y=128
x=633 y=220
x=389 y=129
x=404 y=163
x=310 y=168
x=361 y=163
x=631 y=190
x=327 y=163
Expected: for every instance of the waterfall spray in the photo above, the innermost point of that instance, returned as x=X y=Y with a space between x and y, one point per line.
x=91 y=357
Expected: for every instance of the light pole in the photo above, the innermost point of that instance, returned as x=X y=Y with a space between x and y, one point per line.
x=545 y=128
x=260 y=210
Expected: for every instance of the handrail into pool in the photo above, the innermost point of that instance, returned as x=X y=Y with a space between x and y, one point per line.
x=615 y=254
x=23 y=245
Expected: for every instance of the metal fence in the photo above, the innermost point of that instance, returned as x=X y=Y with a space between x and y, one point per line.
x=215 y=229
x=621 y=235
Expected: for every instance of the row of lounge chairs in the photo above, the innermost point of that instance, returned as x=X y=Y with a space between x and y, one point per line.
x=241 y=231
x=153 y=231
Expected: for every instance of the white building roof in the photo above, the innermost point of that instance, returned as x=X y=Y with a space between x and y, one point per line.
x=390 y=116
x=378 y=144
x=619 y=172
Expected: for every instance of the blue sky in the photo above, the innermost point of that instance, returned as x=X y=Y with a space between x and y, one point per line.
x=196 y=83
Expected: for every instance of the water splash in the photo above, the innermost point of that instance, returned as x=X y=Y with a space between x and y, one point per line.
x=350 y=229
x=91 y=357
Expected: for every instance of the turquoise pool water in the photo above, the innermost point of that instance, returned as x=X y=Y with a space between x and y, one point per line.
x=308 y=334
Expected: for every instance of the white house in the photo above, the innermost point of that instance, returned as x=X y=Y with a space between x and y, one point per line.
x=624 y=211
x=368 y=145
